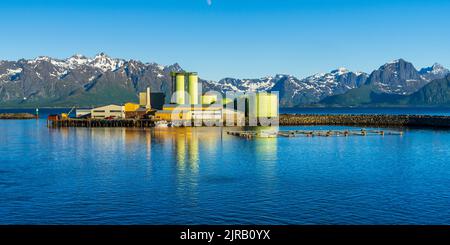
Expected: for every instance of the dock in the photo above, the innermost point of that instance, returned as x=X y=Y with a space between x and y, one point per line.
x=101 y=123
x=312 y=133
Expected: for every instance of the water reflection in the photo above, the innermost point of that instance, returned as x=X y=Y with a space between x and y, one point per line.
x=205 y=176
x=181 y=159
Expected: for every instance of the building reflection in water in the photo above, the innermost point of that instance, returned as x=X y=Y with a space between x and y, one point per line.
x=189 y=147
x=186 y=144
x=148 y=141
x=183 y=147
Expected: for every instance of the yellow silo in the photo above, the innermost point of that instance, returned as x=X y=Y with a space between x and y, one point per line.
x=180 y=98
x=193 y=88
x=267 y=105
x=143 y=99
x=273 y=105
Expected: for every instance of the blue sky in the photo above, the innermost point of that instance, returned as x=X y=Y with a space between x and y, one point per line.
x=233 y=38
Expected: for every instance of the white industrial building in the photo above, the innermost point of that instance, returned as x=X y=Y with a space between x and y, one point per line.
x=108 y=111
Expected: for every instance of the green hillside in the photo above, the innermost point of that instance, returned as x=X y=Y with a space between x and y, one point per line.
x=362 y=96
x=435 y=93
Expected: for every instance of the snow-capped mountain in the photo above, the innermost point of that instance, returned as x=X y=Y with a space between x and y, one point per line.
x=437 y=71
x=79 y=80
x=83 y=81
x=244 y=85
x=295 y=91
x=401 y=77
x=105 y=63
x=100 y=61
x=314 y=88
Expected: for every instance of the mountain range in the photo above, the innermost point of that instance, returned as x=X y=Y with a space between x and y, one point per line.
x=395 y=83
x=82 y=81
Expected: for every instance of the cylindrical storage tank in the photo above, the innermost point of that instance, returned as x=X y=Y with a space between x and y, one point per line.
x=273 y=105
x=193 y=88
x=180 y=98
x=148 y=105
x=251 y=105
x=263 y=103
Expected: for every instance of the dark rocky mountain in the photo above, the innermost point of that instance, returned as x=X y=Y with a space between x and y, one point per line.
x=437 y=71
x=79 y=81
x=397 y=77
x=390 y=84
x=435 y=93
x=83 y=81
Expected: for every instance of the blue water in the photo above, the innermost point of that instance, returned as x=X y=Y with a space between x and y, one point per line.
x=204 y=176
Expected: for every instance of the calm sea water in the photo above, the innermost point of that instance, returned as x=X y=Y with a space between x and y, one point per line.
x=204 y=176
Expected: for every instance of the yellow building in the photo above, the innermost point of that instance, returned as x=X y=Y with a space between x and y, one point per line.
x=130 y=107
x=210 y=107
x=188 y=112
x=209 y=99
x=145 y=99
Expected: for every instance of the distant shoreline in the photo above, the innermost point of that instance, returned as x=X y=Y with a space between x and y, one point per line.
x=15 y=116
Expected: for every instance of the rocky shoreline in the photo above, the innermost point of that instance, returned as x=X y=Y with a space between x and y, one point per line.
x=17 y=116
x=367 y=120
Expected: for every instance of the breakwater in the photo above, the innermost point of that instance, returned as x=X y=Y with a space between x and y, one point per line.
x=17 y=116
x=367 y=120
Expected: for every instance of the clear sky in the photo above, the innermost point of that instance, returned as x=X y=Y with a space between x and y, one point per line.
x=233 y=38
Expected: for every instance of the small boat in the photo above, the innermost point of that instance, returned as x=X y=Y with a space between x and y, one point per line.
x=161 y=124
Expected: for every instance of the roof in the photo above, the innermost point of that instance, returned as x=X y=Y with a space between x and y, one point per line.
x=107 y=106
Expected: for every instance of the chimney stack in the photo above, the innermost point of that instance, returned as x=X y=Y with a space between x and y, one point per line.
x=148 y=104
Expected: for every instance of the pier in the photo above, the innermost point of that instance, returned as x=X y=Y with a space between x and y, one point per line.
x=100 y=123
x=312 y=133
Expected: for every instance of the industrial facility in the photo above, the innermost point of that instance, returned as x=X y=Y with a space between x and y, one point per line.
x=149 y=103
x=190 y=107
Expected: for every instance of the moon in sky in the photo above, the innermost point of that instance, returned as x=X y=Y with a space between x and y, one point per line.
x=209 y=2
